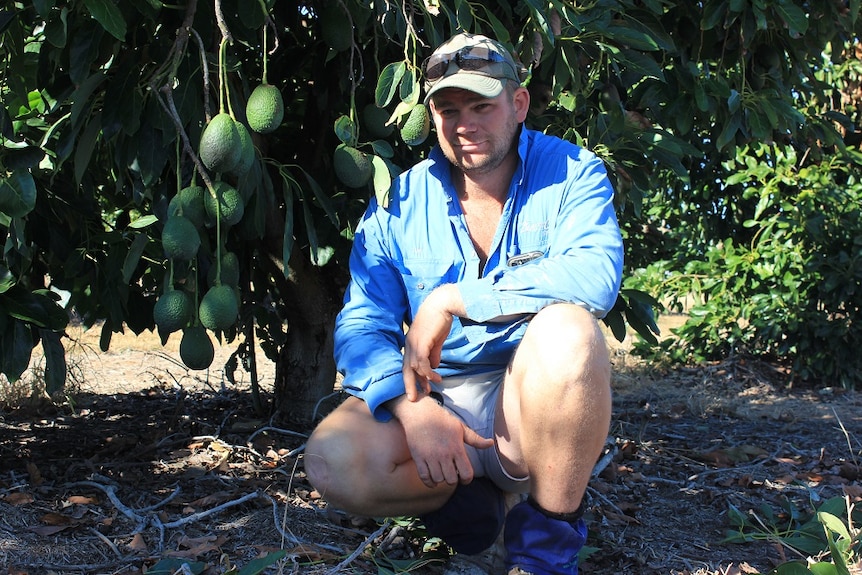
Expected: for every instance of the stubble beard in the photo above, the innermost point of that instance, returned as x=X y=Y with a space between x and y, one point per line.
x=477 y=164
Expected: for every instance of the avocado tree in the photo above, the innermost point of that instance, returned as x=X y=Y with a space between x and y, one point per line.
x=199 y=167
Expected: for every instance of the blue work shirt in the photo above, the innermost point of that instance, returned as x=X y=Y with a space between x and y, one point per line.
x=557 y=241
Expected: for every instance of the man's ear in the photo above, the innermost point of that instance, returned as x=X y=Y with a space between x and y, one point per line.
x=521 y=100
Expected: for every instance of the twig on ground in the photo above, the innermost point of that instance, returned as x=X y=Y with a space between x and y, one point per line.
x=82 y=568
x=110 y=491
x=163 y=502
x=595 y=493
x=846 y=437
x=606 y=459
x=217 y=509
x=107 y=542
x=358 y=551
x=277 y=430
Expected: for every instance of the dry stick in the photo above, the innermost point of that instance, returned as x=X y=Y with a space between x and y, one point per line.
x=110 y=490
x=163 y=502
x=213 y=511
x=358 y=551
x=171 y=109
x=107 y=542
x=846 y=437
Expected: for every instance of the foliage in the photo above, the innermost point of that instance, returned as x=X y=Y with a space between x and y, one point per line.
x=103 y=105
x=793 y=290
x=829 y=531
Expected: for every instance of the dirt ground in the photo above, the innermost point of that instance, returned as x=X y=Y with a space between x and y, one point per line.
x=147 y=466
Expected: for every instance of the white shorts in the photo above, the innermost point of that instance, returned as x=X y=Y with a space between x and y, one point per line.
x=473 y=399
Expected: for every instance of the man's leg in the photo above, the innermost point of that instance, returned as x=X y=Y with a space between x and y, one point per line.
x=363 y=466
x=552 y=424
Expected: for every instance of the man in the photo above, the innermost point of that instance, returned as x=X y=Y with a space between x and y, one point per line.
x=499 y=252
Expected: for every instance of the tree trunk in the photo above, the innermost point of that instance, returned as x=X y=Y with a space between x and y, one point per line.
x=305 y=372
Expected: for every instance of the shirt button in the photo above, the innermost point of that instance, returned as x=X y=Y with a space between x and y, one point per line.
x=420 y=286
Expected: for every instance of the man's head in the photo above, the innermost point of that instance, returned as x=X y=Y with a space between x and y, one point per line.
x=471 y=62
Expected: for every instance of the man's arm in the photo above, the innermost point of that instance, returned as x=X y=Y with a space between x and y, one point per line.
x=369 y=332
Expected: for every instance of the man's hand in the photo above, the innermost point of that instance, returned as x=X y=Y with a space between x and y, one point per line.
x=425 y=338
x=436 y=439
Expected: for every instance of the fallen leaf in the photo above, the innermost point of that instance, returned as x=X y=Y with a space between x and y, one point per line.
x=20 y=498
x=47 y=530
x=619 y=518
x=212 y=499
x=81 y=500
x=56 y=519
x=34 y=473
x=138 y=543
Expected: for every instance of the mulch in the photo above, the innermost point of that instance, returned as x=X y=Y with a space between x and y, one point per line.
x=144 y=481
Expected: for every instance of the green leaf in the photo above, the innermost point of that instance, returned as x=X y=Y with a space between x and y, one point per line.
x=55 y=361
x=823 y=568
x=7 y=280
x=109 y=16
x=24 y=157
x=57 y=29
x=615 y=321
x=345 y=130
x=136 y=250
x=38 y=307
x=834 y=524
x=728 y=133
x=311 y=232
x=86 y=146
x=388 y=83
x=793 y=16
x=322 y=199
x=143 y=222
x=43 y=7
x=17 y=194
x=258 y=565
x=382 y=180
x=792 y=568
x=628 y=36
x=16 y=347
x=409 y=90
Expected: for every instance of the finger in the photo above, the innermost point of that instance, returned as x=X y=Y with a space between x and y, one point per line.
x=437 y=475
x=425 y=475
x=465 y=470
x=410 y=388
x=476 y=440
x=451 y=473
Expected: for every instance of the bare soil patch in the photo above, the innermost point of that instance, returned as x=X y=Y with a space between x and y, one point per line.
x=147 y=463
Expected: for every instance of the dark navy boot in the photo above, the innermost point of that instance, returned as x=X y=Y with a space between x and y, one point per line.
x=471 y=519
x=539 y=544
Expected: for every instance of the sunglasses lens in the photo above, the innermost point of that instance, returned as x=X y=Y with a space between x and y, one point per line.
x=436 y=66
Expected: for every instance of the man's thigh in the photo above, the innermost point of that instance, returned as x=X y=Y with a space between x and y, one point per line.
x=364 y=466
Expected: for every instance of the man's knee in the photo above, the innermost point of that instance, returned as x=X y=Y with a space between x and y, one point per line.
x=566 y=332
x=316 y=463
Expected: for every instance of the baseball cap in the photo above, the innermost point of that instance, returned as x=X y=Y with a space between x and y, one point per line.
x=471 y=62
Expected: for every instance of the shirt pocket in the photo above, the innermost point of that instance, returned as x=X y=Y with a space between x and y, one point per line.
x=421 y=278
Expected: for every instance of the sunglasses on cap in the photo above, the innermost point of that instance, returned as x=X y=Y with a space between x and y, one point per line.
x=470 y=58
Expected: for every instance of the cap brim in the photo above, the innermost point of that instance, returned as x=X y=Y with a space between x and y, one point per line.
x=485 y=86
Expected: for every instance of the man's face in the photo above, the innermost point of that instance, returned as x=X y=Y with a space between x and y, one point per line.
x=476 y=133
